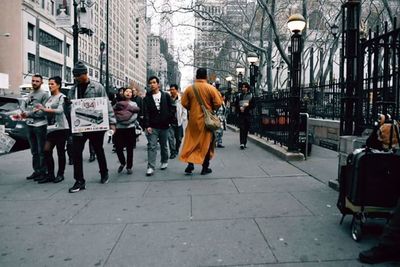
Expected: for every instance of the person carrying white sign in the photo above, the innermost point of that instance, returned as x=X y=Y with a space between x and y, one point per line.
x=83 y=89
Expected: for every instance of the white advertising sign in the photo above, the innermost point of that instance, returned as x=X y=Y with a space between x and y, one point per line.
x=63 y=13
x=89 y=115
x=6 y=142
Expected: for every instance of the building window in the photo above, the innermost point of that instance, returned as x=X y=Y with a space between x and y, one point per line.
x=31 y=30
x=50 y=41
x=90 y=72
x=68 y=74
x=43 y=4
x=31 y=63
x=68 y=52
x=48 y=68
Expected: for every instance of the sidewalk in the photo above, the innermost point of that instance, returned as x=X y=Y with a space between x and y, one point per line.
x=253 y=210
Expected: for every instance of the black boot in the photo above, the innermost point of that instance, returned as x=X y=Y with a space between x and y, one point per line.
x=189 y=169
x=48 y=178
x=92 y=157
x=379 y=254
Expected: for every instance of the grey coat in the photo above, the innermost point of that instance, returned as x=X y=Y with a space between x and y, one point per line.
x=94 y=89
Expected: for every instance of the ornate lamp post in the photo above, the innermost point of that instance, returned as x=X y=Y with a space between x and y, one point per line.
x=296 y=24
x=102 y=47
x=240 y=71
x=229 y=81
x=252 y=58
x=334 y=31
x=217 y=83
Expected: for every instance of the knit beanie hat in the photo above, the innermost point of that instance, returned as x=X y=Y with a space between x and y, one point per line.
x=79 y=69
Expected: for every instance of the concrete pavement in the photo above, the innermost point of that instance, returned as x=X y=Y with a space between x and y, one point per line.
x=253 y=210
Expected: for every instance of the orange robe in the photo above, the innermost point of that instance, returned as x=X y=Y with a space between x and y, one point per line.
x=197 y=138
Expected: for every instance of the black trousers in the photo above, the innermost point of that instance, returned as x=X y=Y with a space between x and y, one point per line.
x=97 y=139
x=125 y=138
x=56 y=139
x=244 y=126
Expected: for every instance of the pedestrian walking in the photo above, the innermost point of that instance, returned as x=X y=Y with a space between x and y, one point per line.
x=221 y=113
x=86 y=88
x=36 y=122
x=158 y=113
x=244 y=103
x=199 y=142
x=176 y=129
x=126 y=113
x=57 y=132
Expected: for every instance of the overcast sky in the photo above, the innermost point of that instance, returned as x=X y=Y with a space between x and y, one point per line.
x=183 y=38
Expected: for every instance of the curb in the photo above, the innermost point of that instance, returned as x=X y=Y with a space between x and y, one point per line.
x=275 y=149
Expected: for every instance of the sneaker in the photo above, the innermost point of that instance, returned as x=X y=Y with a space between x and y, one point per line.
x=78 y=186
x=104 y=178
x=379 y=254
x=120 y=168
x=33 y=176
x=241 y=146
x=59 y=178
x=164 y=165
x=172 y=156
x=129 y=171
x=189 y=169
x=149 y=172
x=220 y=146
x=205 y=171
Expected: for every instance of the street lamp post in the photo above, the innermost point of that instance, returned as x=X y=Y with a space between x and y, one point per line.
x=240 y=71
x=334 y=31
x=102 y=47
x=107 y=51
x=296 y=24
x=75 y=32
x=217 y=83
x=229 y=81
x=252 y=58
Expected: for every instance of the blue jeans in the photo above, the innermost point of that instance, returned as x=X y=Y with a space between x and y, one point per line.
x=220 y=133
x=175 y=139
x=37 y=139
x=152 y=140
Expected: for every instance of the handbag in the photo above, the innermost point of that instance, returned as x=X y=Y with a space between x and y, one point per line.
x=138 y=128
x=211 y=120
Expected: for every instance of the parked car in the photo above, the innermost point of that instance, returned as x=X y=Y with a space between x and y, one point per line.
x=9 y=107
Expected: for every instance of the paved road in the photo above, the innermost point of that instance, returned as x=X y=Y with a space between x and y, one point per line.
x=253 y=210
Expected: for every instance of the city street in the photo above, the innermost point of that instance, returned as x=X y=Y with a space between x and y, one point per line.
x=253 y=210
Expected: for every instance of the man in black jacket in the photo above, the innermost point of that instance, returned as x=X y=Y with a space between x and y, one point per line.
x=244 y=103
x=158 y=113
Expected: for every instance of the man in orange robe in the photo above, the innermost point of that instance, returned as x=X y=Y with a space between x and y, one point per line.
x=198 y=145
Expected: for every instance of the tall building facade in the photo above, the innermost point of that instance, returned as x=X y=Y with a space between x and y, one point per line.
x=157 y=62
x=35 y=44
x=166 y=27
x=212 y=48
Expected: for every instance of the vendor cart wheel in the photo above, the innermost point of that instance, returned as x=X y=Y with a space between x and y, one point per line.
x=356 y=231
